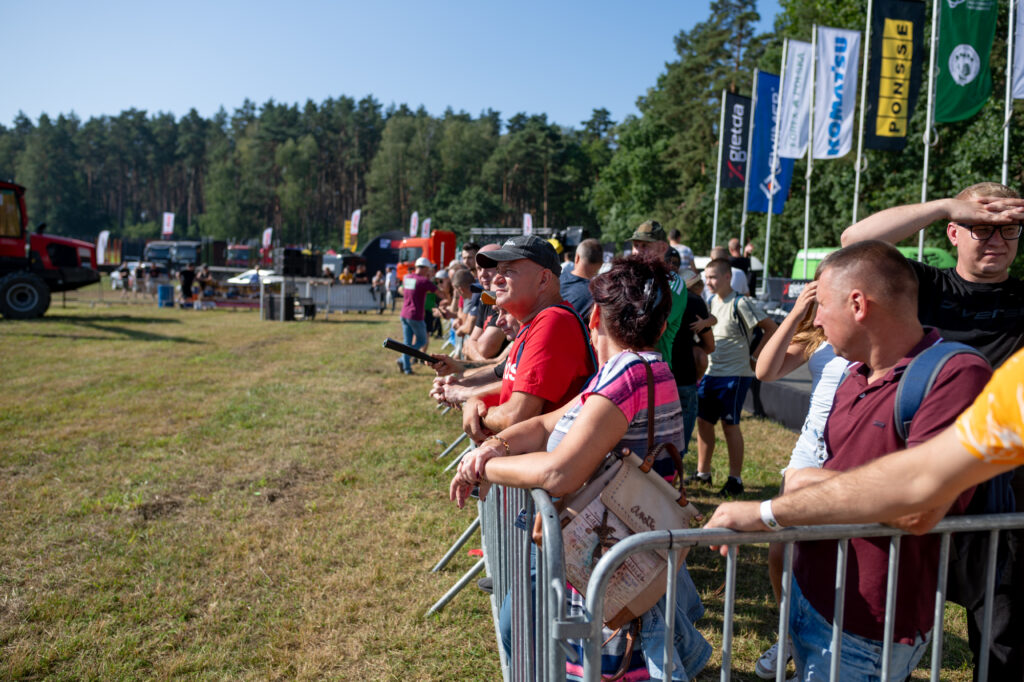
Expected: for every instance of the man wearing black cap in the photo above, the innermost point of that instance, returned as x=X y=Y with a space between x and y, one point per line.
x=551 y=357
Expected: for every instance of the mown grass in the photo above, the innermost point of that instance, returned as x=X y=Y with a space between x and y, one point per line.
x=204 y=495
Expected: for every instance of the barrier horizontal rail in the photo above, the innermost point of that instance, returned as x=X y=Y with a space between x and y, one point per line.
x=540 y=627
x=590 y=630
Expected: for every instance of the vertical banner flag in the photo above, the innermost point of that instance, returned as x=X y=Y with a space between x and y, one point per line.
x=168 y=228
x=414 y=224
x=101 y=247
x=737 y=130
x=354 y=228
x=835 y=97
x=1018 y=52
x=425 y=231
x=794 y=117
x=527 y=223
x=964 y=81
x=894 y=74
x=268 y=237
x=760 y=167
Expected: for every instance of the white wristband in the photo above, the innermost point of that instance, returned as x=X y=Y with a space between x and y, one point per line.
x=767 y=517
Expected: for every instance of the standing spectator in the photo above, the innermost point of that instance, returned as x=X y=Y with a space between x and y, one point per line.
x=468 y=256
x=684 y=251
x=742 y=263
x=730 y=372
x=139 y=280
x=977 y=303
x=124 y=273
x=391 y=286
x=690 y=349
x=867 y=299
x=187 y=277
x=486 y=339
x=414 y=330
x=649 y=239
x=737 y=280
x=574 y=283
x=377 y=288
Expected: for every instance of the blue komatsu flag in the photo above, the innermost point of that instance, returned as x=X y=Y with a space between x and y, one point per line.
x=766 y=111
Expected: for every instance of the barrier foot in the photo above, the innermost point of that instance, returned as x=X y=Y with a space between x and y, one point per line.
x=457 y=587
x=466 y=534
x=453 y=445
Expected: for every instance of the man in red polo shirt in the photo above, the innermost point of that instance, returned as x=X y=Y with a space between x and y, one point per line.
x=550 y=358
x=867 y=304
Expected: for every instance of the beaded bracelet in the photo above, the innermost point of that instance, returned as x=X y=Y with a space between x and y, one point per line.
x=508 y=450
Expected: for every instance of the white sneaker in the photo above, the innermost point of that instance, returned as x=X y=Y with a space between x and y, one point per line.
x=765 y=668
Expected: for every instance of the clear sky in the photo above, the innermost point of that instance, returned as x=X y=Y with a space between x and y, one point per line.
x=560 y=57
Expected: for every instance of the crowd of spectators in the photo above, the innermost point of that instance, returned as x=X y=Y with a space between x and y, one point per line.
x=551 y=378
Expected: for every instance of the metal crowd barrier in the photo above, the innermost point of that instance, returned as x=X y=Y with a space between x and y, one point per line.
x=541 y=627
x=342 y=297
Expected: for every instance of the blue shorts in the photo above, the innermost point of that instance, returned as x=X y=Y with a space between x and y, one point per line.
x=722 y=398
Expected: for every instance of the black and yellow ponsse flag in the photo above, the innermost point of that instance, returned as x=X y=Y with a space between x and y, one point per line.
x=894 y=75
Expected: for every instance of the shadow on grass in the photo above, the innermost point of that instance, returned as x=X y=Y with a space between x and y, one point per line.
x=99 y=323
x=75 y=319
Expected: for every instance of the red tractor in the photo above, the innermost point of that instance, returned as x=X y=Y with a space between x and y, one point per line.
x=34 y=265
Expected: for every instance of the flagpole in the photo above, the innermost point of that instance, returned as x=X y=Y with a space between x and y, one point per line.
x=863 y=97
x=1009 y=94
x=746 y=177
x=810 y=148
x=774 y=162
x=718 y=173
x=928 y=120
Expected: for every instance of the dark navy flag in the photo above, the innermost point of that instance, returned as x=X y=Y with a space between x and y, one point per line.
x=766 y=112
x=734 y=138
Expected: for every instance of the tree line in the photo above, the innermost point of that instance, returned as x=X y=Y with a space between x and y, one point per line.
x=304 y=169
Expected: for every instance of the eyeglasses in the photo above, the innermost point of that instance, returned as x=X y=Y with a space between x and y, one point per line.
x=983 y=233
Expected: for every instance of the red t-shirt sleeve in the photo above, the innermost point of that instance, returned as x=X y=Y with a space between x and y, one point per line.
x=554 y=357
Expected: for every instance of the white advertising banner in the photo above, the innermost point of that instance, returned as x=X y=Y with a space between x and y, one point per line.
x=101 y=247
x=527 y=223
x=268 y=236
x=425 y=232
x=795 y=106
x=1018 y=52
x=168 y=228
x=835 y=92
x=414 y=224
x=354 y=227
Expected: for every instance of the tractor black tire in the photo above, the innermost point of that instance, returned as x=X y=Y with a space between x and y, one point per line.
x=23 y=296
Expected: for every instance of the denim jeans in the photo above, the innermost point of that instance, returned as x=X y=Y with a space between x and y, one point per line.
x=861 y=658
x=415 y=335
x=688 y=404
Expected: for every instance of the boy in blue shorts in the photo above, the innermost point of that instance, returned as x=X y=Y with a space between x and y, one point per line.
x=730 y=373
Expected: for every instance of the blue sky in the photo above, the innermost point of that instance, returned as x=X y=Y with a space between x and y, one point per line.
x=562 y=58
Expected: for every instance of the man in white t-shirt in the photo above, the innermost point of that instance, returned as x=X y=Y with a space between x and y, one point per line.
x=730 y=373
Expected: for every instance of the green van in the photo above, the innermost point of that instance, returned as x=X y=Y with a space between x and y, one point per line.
x=934 y=256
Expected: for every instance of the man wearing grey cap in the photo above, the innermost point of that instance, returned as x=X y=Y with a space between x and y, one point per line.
x=551 y=357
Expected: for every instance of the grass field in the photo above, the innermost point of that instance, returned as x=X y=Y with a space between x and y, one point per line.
x=204 y=495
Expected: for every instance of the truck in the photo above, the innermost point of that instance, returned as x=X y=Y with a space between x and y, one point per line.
x=35 y=265
x=439 y=247
x=171 y=256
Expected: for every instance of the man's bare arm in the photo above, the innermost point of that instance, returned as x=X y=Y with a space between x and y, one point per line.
x=519 y=407
x=895 y=224
x=484 y=346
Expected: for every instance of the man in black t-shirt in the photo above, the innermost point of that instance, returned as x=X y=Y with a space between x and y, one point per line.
x=979 y=304
x=694 y=332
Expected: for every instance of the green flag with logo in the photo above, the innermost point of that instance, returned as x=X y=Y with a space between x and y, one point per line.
x=966 y=30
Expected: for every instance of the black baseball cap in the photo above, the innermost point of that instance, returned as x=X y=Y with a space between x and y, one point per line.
x=527 y=246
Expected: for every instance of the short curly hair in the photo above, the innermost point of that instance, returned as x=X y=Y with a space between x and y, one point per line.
x=635 y=300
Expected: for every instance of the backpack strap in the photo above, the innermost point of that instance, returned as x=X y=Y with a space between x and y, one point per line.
x=586 y=340
x=917 y=379
x=739 y=318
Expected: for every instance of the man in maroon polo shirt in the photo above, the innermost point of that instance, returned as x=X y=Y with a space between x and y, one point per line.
x=867 y=305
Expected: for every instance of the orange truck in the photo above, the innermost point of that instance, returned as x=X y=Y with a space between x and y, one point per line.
x=439 y=247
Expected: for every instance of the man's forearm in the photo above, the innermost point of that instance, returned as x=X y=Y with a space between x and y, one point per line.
x=895 y=224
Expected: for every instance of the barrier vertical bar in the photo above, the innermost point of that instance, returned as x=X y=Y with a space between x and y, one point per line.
x=890 y=604
x=842 y=553
x=990 y=588
x=730 y=605
x=940 y=608
x=784 y=607
x=670 y=609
